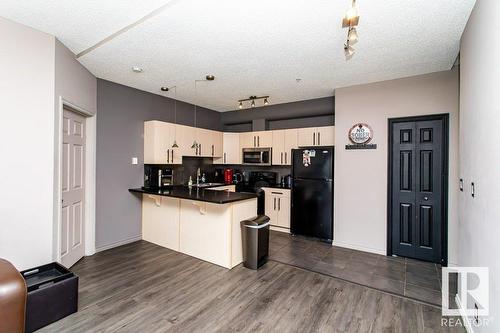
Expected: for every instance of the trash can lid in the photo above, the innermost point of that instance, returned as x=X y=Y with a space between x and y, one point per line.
x=256 y=221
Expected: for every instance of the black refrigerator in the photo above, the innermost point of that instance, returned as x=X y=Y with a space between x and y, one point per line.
x=312 y=192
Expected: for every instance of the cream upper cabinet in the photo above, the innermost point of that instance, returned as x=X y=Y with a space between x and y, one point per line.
x=217 y=144
x=326 y=136
x=291 y=142
x=247 y=140
x=264 y=139
x=230 y=149
x=278 y=147
x=158 y=140
x=283 y=143
x=260 y=139
x=186 y=135
x=204 y=139
x=316 y=136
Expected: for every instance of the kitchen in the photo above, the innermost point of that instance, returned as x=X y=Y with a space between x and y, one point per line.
x=172 y=150
x=336 y=142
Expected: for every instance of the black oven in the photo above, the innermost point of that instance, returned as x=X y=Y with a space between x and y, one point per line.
x=257 y=156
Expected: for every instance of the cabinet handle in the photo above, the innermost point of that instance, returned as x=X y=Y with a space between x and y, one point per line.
x=172 y=155
x=212 y=150
x=319 y=139
x=314 y=138
x=258 y=141
x=254 y=141
x=281 y=158
x=279 y=203
x=199 y=150
x=224 y=158
x=277 y=193
x=274 y=203
x=285 y=158
x=168 y=155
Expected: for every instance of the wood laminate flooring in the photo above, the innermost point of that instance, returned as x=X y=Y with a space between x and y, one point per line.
x=141 y=287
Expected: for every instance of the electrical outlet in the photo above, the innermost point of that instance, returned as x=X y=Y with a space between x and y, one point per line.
x=476 y=317
x=135 y=160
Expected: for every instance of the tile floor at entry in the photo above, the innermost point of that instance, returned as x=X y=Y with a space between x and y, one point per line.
x=406 y=277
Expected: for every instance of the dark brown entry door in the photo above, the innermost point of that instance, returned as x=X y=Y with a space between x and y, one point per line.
x=418 y=169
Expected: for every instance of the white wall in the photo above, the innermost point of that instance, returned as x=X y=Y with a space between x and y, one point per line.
x=361 y=175
x=37 y=71
x=479 y=151
x=26 y=144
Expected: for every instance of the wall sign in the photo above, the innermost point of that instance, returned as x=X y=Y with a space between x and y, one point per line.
x=360 y=135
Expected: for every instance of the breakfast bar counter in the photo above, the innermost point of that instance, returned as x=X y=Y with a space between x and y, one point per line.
x=203 y=223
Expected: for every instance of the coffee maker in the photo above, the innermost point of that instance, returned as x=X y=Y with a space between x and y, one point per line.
x=157 y=176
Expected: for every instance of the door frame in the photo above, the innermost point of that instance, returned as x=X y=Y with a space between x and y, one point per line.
x=444 y=117
x=90 y=176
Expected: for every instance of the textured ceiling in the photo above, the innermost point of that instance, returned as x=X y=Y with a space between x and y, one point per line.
x=252 y=47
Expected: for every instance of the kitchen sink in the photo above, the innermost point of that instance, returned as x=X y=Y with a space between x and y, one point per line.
x=204 y=185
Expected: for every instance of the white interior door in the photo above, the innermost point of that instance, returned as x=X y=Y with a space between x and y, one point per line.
x=72 y=229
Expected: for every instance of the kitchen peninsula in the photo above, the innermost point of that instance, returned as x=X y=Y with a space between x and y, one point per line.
x=201 y=222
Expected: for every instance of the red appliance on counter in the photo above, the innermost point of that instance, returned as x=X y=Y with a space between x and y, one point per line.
x=228 y=176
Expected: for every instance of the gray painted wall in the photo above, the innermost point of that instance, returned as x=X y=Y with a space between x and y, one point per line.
x=309 y=113
x=120 y=127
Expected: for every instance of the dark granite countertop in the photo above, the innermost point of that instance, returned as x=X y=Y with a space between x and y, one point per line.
x=198 y=194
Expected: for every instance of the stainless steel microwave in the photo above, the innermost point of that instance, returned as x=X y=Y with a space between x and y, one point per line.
x=257 y=156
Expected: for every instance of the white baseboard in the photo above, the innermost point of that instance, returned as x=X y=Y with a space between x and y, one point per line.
x=359 y=248
x=118 y=243
x=280 y=229
x=465 y=319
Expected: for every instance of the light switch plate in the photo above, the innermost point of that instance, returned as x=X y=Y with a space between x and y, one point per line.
x=134 y=160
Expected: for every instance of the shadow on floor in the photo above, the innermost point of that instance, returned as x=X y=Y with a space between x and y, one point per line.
x=405 y=277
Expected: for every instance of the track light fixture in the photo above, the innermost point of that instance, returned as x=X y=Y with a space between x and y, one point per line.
x=252 y=100
x=351 y=21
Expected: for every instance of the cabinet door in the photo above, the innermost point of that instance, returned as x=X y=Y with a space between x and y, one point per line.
x=158 y=138
x=284 y=211
x=264 y=139
x=217 y=144
x=325 y=136
x=307 y=136
x=232 y=149
x=185 y=138
x=160 y=221
x=271 y=210
x=204 y=139
x=278 y=147
x=290 y=142
x=248 y=140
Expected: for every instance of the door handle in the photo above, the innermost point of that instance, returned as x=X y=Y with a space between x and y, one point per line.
x=319 y=138
x=274 y=203
x=314 y=138
x=168 y=155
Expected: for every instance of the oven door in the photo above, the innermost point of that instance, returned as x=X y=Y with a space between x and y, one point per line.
x=257 y=156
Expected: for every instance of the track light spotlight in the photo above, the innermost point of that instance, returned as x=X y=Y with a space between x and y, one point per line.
x=253 y=103
x=266 y=102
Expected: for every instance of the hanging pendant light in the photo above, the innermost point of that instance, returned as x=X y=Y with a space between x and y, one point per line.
x=195 y=144
x=175 y=145
x=352 y=36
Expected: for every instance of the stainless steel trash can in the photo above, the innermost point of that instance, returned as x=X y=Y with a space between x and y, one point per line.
x=255 y=236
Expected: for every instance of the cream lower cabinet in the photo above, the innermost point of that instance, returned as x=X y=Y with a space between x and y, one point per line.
x=160 y=220
x=316 y=136
x=277 y=208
